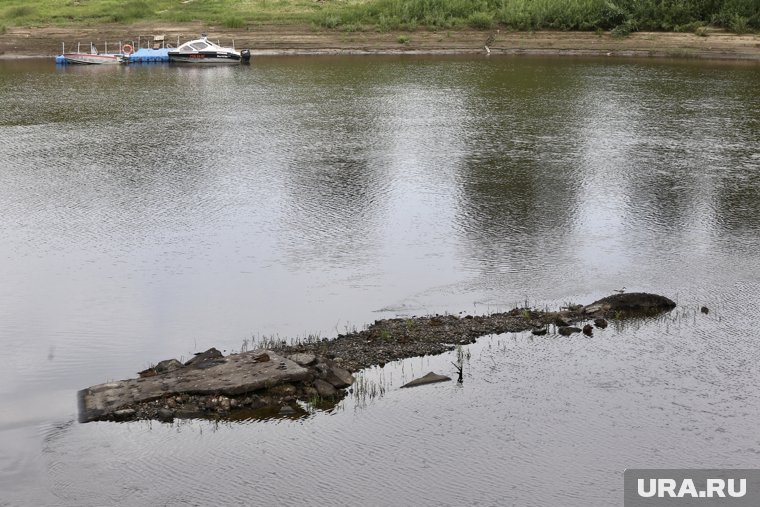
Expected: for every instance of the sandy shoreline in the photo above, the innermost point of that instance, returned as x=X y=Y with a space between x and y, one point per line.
x=305 y=40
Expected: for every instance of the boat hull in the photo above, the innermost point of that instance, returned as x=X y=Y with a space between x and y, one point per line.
x=89 y=59
x=204 y=57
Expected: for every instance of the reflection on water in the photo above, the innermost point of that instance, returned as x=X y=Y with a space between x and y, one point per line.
x=152 y=211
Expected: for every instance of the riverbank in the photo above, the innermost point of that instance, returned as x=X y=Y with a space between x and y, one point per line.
x=285 y=40
x=275 y=376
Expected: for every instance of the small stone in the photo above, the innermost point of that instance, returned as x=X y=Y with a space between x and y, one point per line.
x=568 y=330
x=261 y=357
x=539 y=332
x=287 y=410
x=704 y=310
x=150 y=372
x=588 y=330
x=124 y=414
x=600 y=323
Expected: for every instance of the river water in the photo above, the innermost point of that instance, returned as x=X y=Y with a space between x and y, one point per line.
x=149 y=212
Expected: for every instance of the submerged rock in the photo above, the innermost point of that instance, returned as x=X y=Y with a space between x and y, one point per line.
x=430 y=378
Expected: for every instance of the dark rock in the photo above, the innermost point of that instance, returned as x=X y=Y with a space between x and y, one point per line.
x=568 y=330
x=539 y=332
x=704 y=310
x=630 y=304
x=168 y=365
x=283 y=390
x=588 y=330
x=324 y=389
x=150 y=372
x=165 y=415
x=600 y=323
x=287 y=410
x=560 y=322
x=261 y=357
x=124 y=414
x=430 y=378
x=188 y=412
x=209 y=356
x=339 y=377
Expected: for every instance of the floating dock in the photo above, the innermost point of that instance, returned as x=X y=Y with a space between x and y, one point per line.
x=145 y=55
x=142 y=55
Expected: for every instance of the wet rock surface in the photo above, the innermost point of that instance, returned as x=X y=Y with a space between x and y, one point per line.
x=430 y=378
x=629 y=304
x=276 y=380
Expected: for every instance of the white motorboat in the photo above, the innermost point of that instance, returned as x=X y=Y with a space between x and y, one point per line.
x=204 y=51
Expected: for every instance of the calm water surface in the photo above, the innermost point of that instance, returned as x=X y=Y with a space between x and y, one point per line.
x=148 y=212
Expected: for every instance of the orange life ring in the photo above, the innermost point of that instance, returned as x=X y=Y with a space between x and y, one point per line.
x=127 y=49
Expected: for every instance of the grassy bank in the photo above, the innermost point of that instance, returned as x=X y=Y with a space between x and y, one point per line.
x=620 y=16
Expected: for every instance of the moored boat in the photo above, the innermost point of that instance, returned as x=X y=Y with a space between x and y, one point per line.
x=204 y=51
x=94 y=57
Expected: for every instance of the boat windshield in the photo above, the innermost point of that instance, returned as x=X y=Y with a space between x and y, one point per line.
x=199 y=46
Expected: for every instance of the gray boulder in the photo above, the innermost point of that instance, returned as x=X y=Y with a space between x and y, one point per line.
x=630 y=304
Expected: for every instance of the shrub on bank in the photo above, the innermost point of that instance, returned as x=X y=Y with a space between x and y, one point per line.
x=620 y=15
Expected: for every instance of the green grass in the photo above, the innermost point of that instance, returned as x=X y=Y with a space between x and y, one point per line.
x=622 y=15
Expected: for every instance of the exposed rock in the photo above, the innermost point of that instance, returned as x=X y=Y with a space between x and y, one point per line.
x=124 y=414
x=324 y=388
x=588 y=330
x=630 y=304
x=304 y=358
x=560 y=322
x=165 y=415
x=205 y=359
x=568 y=330
x=150 y=372
x=600 y=323
x=539 y=332
x=704 y=310
x=287 y=410
x=260 y=356
x=430 y=378
x=168 y=365
x=234 y=375
x=339 y=377
x=213 y=385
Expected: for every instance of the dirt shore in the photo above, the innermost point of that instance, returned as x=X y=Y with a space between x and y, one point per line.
x=283 y=40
